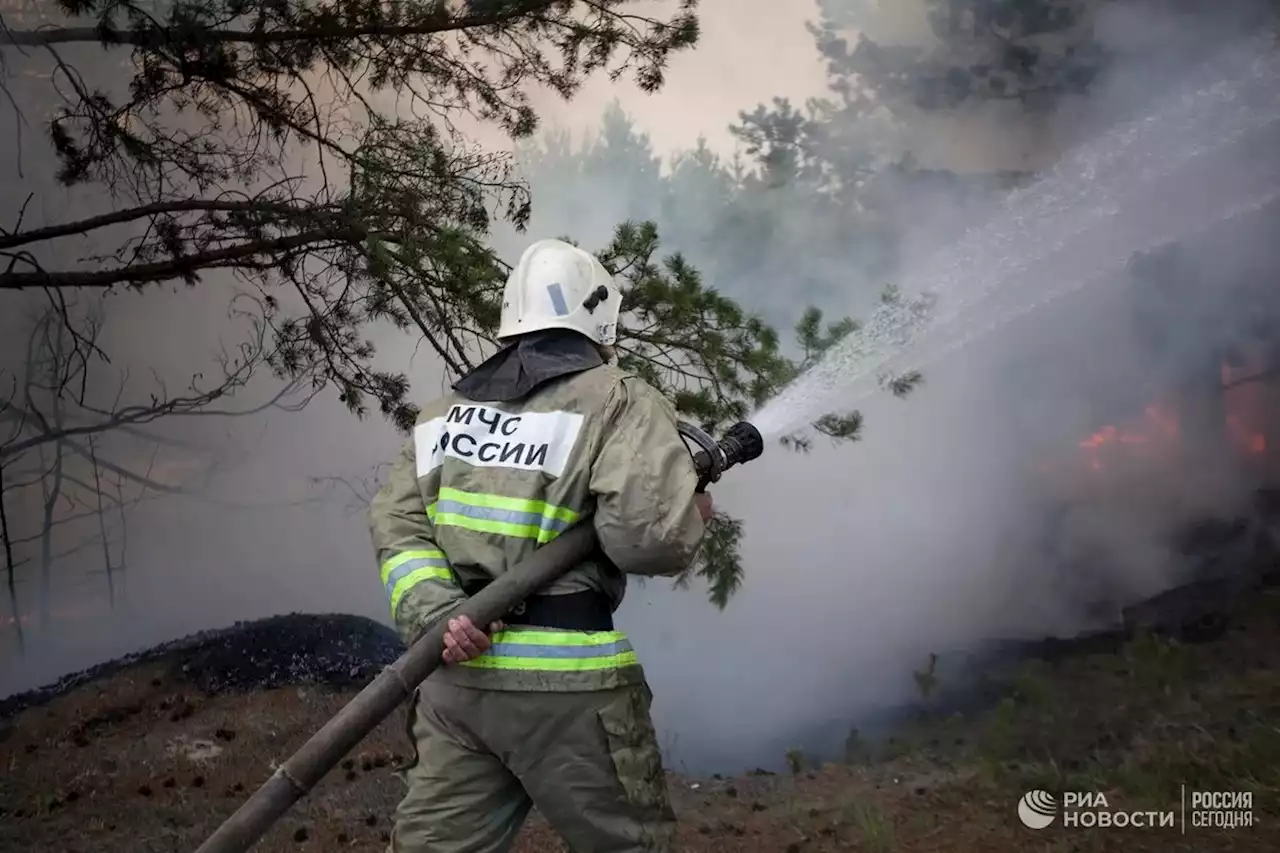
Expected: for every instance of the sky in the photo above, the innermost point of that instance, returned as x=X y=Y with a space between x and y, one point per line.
x=750 y=52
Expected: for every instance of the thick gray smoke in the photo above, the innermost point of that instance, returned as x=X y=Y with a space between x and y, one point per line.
x=969 y=511
x=979 y=508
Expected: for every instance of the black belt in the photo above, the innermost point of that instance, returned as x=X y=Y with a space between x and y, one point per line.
x=575 y=611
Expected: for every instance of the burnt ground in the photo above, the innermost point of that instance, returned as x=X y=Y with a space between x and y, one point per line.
x=151 y=753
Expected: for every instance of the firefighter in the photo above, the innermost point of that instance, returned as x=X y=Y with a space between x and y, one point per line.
x=548 y=708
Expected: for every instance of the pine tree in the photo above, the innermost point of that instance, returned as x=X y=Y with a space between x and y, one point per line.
x=204 y=155
x=204 y=160
x=1027 y=52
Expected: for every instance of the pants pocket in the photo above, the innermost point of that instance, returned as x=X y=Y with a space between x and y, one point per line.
x=633 y=747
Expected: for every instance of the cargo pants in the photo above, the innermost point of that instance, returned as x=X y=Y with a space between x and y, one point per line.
x=588 y=761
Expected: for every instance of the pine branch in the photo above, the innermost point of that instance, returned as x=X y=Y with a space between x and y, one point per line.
x=183 y=267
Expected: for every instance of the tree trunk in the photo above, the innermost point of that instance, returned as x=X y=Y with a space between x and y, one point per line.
x=11 y=570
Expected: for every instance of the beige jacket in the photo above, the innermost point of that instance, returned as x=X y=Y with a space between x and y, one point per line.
x=481 y=485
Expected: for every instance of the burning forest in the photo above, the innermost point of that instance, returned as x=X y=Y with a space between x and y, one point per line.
x=1240 y=415
x=247 y=243
x=1162 y=508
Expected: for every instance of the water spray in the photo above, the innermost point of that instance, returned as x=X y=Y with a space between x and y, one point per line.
x=1074 y=216
x=295 y=778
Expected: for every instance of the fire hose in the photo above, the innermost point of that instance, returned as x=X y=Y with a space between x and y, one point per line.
x=295 y=778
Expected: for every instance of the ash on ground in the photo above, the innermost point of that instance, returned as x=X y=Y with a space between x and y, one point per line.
x=333 y=649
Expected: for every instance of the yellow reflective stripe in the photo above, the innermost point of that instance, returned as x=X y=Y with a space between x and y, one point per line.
x=484 y=499
x=410 y=568
x=429 y=556
x=486 y=661
x=558 y=638
x=502 y=528
x=413 y=579
x=556 y=651
x=505 y=516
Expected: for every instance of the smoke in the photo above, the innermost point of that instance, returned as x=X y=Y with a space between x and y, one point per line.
x=970 y=511
x=246 y=516
x=967 y=512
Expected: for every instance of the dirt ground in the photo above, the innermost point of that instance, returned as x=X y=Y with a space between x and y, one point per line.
x=144 y=762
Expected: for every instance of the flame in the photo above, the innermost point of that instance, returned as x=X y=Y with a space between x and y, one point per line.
x=1246 y=399
x=1156 y=429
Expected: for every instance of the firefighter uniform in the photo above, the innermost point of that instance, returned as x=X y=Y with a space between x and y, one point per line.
x=555 y=715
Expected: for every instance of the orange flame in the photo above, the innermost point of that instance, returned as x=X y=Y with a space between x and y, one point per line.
x=1244 y=399
x=1157 y=428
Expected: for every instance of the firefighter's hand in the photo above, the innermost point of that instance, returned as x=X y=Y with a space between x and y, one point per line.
x=464 y=641
x=705 y=509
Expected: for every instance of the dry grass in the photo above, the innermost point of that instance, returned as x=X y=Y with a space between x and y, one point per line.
x=140 y=763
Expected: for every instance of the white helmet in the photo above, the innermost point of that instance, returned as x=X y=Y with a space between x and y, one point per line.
x=559 y=286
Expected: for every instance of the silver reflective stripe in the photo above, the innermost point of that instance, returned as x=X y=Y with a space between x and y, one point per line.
x=399 y=572
x=509 y=516
x=531 y=650
x=557 y=300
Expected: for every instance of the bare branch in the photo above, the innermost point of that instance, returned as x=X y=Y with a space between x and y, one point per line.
x=48 y=424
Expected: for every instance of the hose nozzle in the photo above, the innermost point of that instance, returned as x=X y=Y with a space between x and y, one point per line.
x=742 y=442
